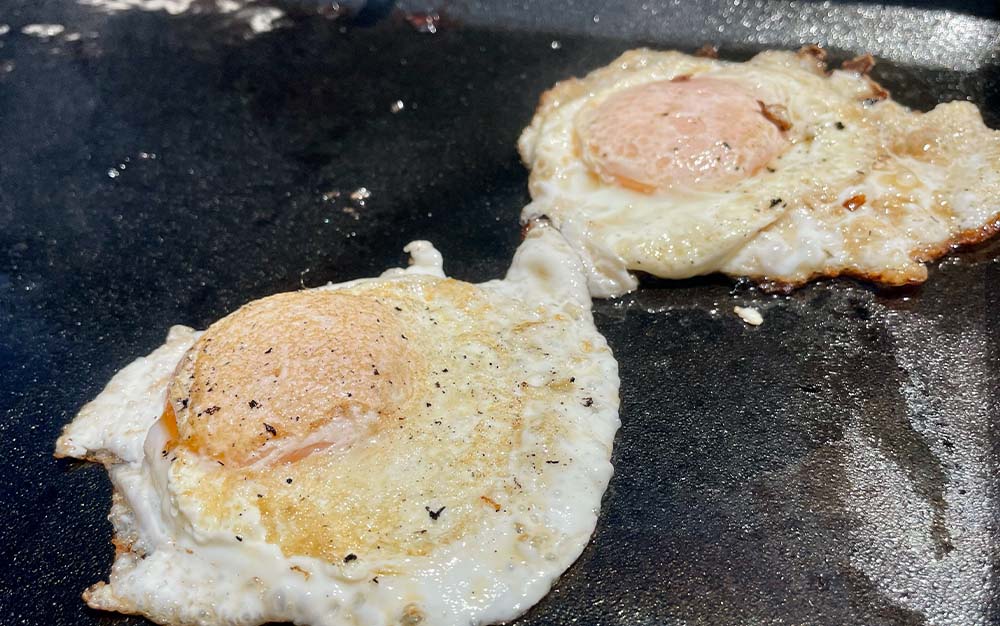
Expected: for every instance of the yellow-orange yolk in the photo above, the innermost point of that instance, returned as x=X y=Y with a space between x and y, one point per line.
x=289 y=375
x=695 y=133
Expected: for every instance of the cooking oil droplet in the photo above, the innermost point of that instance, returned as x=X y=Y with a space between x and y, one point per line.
x=113 y=173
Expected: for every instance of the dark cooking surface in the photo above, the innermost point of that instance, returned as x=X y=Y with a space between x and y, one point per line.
x=837 y=465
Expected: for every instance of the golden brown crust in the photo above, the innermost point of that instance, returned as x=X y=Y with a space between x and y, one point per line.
x=815 y=55
x=707 y=51
x=855 y=202
x=962 y=239
x=861 y=64
x=882 y=279
x=121 y=546
x=89 y=592
x=878 y=92
x=813 y=50
x=777 y=114
x=891 y=278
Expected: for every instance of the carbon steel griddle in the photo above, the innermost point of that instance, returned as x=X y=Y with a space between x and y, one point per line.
x=837 y=465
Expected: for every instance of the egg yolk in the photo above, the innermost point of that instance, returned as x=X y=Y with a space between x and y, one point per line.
x=698 y=133
x=290 y=375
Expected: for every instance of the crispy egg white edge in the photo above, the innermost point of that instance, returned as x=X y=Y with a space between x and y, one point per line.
x=815 y=249
x=799 y=245
x=607 y=269
x=176 y=575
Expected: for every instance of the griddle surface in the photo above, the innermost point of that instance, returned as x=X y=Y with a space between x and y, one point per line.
x=837 y=465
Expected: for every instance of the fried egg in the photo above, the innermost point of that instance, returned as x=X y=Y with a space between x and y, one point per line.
x=409 y=449
x=774 y=169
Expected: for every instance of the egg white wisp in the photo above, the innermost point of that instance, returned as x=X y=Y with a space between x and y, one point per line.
x=774 y=169
x=409 y=449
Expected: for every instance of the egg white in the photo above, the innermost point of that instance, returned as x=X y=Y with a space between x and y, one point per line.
x=934 y=186
x=180 y=560
x=786 y=223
